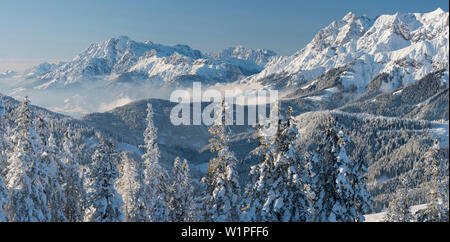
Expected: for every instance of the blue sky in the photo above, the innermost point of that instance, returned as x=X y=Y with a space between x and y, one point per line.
x=55 y=29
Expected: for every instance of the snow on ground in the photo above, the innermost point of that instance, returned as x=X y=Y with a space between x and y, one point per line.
x=397 y=92
x=440 y=132
x=407 y=46
x=327 y=93
x=378 y=217
x=308 y=85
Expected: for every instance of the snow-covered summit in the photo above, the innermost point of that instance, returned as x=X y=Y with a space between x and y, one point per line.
x=405 y=46
x=127 y=60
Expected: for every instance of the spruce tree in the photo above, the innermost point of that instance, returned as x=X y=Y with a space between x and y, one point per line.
x=4 y=140
x=311 y=186
x=28 y=201
x=326 y=175
x=50 y=177
x=155 y=176
x=399 y=209
x=56 y=198
x=4 y=199
x=130 y=187
x=4 y=196
x=436 y=173
x=103 y=203
x=71 y=181
x=275 y=192
x=341 y=194
x=362 y=199
x=223 y=190
x=181 y=193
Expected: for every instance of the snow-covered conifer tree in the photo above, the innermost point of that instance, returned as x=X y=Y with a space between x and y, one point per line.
x=4 y=196
x=353 y=199
x=3 y=140
x=341 y=194
x=200 y=201
x=155 y=176
x=223 y=190
x=54 y=191
x=275 y=192
x=28 y=201
x=362 y=199
x=4 y=199
x=436 y=173
x=103 y=203
x=311 y=188
x=71 y=181
x=130 y=187
x=181 y=193
x=326 y=175
x=399 y=209
x=51 y=172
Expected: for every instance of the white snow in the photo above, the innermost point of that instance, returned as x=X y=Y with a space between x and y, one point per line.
x=378 y=217
x=440 y=132
x=327 y=93
x=407 y=46
x=397 y=92
x=147 y=60
x=128 y=147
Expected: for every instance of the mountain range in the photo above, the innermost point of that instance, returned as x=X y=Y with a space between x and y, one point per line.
x=405 y=46
x=348 y=61
x=386 y=78
x=124 y=60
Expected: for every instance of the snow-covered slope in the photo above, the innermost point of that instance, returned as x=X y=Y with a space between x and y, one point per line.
x=379 y=217
x=405 y=46
x=41 y=69
x=122 y=59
